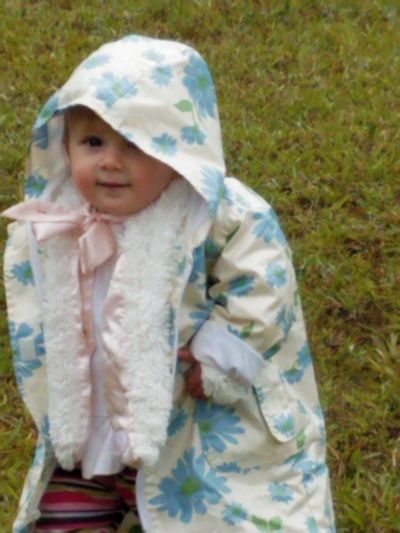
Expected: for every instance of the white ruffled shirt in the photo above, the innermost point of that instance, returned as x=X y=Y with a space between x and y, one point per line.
x=102 y=454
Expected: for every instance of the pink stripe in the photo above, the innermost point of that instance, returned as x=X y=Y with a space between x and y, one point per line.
x=64 y=500
x=105 y=494
x=73 y=526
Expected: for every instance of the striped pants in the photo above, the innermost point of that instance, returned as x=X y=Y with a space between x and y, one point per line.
x=103 y=504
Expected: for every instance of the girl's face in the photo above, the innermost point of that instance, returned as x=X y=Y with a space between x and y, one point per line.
x=111 y=173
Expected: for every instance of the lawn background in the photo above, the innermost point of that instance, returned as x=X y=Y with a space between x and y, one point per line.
x=309 y=100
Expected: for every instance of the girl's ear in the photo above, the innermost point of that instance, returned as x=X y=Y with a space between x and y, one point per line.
x=65 y=136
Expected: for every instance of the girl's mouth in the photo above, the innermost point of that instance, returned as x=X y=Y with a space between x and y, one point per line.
x=113 y=185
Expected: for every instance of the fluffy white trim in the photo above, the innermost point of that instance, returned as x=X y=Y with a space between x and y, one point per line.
x=221 y=387
x=68 y=382
x=150 y=247
x=67 y=359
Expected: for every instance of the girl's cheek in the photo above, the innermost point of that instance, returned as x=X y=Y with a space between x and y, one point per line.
x=83 y=180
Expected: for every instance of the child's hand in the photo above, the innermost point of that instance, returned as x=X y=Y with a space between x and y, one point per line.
x=193 y=381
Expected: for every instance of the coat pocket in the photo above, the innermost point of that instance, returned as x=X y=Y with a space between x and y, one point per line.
x=281 y=412
x=260 y=431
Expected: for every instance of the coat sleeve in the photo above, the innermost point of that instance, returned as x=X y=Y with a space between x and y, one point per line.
x=25 y=323
x=253 y=287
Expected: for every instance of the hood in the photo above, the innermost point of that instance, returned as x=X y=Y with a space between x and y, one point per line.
x=159 y=94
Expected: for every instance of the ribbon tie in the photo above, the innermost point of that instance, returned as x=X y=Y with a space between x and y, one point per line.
x=96 y=239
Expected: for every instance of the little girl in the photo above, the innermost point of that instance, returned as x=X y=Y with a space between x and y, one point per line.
x=157 y=335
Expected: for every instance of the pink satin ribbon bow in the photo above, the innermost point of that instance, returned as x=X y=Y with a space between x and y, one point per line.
x=95 y=237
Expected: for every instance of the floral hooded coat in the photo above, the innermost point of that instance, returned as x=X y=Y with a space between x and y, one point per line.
x=252 y=457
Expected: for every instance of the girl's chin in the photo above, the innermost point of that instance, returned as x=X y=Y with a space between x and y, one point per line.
x=117 y=209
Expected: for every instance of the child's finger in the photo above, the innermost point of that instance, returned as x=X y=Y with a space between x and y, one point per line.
x=198 y=394
x=185 y=354
x=194 y=384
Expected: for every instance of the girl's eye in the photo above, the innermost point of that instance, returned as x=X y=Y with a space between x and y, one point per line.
x=93 y=141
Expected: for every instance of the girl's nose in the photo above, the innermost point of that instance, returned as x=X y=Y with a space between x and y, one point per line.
x=112 y=159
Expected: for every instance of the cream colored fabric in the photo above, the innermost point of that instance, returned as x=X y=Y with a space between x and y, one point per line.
x=255 y=464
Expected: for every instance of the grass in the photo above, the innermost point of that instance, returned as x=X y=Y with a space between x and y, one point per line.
x=310 y=104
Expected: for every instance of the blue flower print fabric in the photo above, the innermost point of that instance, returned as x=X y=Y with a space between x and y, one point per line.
x=251 y=464
x=218 y=425
x=111 y=88
x=192 y=487
x=25 y=366
x=198 y=81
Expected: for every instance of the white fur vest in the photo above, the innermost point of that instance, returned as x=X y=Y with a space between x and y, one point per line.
x=136 y=333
